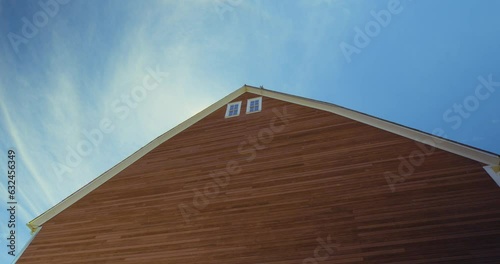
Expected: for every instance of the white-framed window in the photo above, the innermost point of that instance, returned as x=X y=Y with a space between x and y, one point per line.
x=254 y=105
x=233 y=109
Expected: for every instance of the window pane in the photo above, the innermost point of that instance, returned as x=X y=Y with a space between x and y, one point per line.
x=254 y=106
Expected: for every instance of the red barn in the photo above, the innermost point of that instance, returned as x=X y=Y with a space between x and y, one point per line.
x=267 y=177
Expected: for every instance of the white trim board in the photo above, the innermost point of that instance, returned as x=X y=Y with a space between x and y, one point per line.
x=494 y=172
x=80 y=193
x=419 y=136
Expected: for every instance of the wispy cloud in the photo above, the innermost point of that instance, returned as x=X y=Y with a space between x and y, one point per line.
x=24 y=140
x=70 y=98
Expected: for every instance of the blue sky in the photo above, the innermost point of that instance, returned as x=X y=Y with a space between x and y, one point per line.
x=71 y=68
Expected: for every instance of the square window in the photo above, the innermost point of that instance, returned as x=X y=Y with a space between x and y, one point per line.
x=254 y=105
x=233 y=109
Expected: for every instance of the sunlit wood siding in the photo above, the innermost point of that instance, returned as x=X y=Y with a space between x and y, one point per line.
x=315 y=175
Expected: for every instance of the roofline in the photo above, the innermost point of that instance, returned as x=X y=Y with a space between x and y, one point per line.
x=419 y=136
x=33 y=235
x=80 y=193
x=460 y=149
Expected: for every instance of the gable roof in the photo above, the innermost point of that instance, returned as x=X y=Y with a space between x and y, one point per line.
x=485 y=157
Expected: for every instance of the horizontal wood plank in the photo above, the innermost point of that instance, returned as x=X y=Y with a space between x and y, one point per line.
x=322 y=175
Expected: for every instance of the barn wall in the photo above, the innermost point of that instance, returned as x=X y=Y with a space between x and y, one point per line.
x=287 y=185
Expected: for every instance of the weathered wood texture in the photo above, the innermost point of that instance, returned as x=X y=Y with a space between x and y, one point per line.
x=322 y=175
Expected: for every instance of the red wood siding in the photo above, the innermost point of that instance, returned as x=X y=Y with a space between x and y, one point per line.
x=322 y=175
